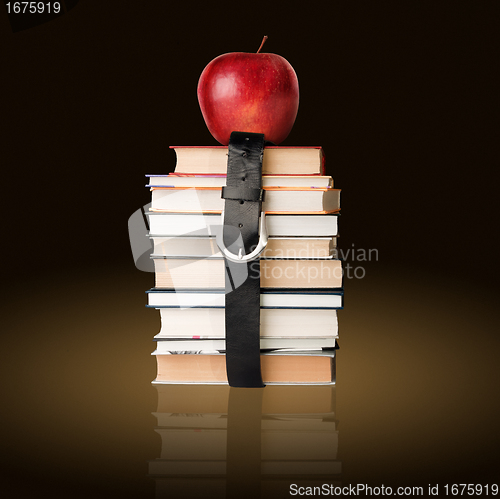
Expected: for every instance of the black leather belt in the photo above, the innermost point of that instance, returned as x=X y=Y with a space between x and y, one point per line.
x=242 y=244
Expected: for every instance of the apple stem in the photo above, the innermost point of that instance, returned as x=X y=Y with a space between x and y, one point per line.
x=262 y=44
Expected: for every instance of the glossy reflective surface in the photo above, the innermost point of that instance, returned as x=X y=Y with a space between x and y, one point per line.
x=416 y=400
x=244 y=442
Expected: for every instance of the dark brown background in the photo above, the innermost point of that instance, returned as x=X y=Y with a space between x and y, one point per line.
x=403 y=99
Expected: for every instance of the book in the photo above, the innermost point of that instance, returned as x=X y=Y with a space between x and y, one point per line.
x=277 y=247
x=210 y=273
x=276 y=200
x=277 y=160
x=173 y=345
x=277 y=367
x=274 y=322
x=297 y=298
x=278 y=225
x=190 y=180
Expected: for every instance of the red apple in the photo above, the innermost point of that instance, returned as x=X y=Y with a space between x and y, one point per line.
x=248 y=92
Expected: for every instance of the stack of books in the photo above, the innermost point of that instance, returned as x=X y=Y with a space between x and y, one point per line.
x=300 y=276
x=290 y=435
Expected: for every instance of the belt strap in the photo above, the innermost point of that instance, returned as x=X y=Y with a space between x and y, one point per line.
x=243 y=201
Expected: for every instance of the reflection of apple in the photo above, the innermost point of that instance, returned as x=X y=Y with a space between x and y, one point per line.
x=246 y=92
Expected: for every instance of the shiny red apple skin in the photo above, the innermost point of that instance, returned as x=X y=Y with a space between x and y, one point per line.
x=247 y=92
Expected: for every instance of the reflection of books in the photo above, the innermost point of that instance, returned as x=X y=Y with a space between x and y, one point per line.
x=289 y=444
x=193 y=444
x=194 y=421
x=290 y=400
x=199 y=224
x=320 y=422
x=210 y=273
x=189 y=487
x=286 y=299
x=276 y=199
x=283 y=444
x=210 y=467
x=292 y=367
x=277 y=160
x=195 y=467
x=213 y=486
x=297 y=438
x=298 y=468
x=274 y=322
x=300 y=422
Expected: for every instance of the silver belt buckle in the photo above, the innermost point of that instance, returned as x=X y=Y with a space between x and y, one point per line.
x=240 y=257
